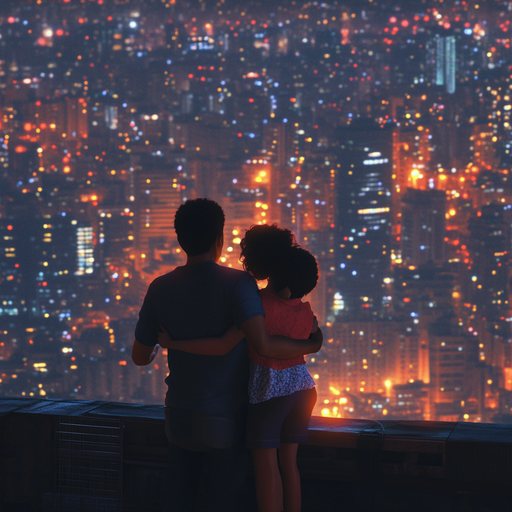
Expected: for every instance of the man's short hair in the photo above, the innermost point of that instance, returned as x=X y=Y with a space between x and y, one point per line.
x=198 y=223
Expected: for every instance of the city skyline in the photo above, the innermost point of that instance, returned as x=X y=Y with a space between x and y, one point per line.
x=377 y=132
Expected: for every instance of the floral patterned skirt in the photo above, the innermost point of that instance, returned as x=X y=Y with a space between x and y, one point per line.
x=266 y=383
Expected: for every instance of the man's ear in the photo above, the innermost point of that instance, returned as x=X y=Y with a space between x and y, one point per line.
x=219 y=244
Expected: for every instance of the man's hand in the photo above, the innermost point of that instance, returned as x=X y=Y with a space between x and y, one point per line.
x=317 y=338
x=278 y=347
x=143 y=355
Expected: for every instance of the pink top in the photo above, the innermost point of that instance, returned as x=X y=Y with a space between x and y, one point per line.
x=285 y=317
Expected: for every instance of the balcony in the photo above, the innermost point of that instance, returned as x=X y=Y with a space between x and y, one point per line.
x=102 y=456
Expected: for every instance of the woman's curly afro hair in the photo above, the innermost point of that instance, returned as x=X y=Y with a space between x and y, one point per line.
x=271 y=252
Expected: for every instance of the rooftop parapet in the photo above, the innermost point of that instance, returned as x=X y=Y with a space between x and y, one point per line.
x=58 y=455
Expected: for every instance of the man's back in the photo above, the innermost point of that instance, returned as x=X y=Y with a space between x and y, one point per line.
x=197 y=301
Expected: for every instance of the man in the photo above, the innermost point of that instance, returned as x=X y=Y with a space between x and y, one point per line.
x=206 y=397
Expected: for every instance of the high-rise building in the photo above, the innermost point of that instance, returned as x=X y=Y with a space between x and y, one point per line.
x=489 y=244
x=158 y=198
x=363 y=219
x=423 y=226
x=443 y=59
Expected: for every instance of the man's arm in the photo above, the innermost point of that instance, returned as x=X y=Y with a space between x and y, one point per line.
x=143 y=355
x=278 y=347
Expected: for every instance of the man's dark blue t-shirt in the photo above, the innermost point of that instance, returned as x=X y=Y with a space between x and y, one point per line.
x=198 y=301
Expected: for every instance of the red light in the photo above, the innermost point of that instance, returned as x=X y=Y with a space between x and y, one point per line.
x=80 y=20
x=253 y=22
x=59 y=32
x=239 y=134
x=20 y=149
x=41 y=41
x=404 y=23
x=122 y=363
x=392 y=19
x=251 y=100
x=27 y=127
x=45 y=283
x=11 y=19
x=446 y=25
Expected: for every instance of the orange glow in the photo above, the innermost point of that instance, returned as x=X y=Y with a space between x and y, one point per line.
x=20 y=149
x=27 y=127
x=122 y=363
x=67 y=169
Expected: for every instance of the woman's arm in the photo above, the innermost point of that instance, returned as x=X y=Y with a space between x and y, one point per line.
x=203 y=346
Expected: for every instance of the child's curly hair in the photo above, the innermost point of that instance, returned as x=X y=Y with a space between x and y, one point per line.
x=271 y=252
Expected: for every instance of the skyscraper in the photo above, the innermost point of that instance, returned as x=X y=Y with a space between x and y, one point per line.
x=423 y=226
x=363 y=218
x=443 y=60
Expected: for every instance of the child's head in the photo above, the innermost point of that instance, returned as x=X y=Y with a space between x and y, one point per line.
x=270 y=252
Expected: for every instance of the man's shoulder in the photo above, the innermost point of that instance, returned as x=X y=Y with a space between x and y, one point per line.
x=208 y=270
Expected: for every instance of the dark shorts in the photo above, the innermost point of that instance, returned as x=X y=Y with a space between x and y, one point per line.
x=284 y=419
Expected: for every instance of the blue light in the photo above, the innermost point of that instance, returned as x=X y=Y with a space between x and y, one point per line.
x=468 y=31
x=276 y=84
x=354 y=272
x=133 y=24
x=265 y=121
x=342 y=265
x=320 y=102
x=285 y=120
x=422 y=247
x=169 y=61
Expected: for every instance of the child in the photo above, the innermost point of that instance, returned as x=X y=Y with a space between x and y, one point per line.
x=281 y=392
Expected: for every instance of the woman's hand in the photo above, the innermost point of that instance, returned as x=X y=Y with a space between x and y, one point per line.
x=154 y=353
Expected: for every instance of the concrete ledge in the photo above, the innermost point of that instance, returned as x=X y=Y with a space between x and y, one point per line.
x=90 y=455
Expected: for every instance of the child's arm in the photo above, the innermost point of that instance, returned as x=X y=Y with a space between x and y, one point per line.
x=203 y=346
x=278 y=347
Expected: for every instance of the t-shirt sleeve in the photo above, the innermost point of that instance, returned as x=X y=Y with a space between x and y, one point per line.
x=147 y=328
x=245 y=301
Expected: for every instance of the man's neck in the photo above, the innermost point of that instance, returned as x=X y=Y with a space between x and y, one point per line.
x=200 y=258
